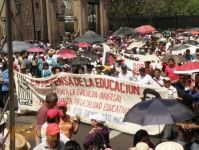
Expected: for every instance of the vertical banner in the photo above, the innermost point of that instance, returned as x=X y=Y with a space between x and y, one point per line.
x=87 y=95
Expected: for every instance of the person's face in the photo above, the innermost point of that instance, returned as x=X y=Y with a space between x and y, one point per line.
x=52 y=104
x=167 y=84
x=142 y=74
x=197 y=78
x=171 y=63
x=124 y=71
x=53 y=140
x=57 y=71
x=197 y=56
x=93 y=123
x=157 y=74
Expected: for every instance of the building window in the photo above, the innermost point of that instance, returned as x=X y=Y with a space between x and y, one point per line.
x=37 y=5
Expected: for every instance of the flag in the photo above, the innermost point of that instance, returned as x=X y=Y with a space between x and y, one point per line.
x=109 y=58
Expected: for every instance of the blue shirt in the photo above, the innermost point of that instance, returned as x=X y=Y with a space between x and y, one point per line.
x=195 y=95
x=5 y=83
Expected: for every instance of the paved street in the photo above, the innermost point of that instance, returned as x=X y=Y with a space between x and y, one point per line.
x=119 y=141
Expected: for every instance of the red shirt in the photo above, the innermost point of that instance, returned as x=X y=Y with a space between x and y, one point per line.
x=41 y=116
x=170 y=72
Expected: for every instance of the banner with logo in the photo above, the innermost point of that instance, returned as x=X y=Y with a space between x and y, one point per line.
x=87 y=95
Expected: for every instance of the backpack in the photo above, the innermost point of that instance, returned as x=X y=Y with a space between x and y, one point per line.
x=99 y=143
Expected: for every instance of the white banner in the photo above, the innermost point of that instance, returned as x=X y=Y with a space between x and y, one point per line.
x=86 y=95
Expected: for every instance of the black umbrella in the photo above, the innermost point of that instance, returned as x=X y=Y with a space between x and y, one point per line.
x=72 y=47
x=89 y=55
x=158 y=111
x=124 y=31
x=79 y=61
x=191 y=42
x=89 y=37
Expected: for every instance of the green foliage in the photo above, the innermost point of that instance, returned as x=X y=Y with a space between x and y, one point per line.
x=123 y=8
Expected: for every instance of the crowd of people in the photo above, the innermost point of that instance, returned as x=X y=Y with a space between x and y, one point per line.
x=55 y=128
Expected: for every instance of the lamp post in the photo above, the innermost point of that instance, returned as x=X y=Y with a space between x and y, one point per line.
x=33 y=20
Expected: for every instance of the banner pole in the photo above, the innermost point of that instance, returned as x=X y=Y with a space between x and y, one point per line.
x=11 y=75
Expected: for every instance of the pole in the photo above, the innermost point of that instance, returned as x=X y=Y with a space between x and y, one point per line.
x=33 y=20
x=11 y=77
x=44 y=21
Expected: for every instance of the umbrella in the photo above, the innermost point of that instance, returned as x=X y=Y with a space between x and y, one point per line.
x=79 y=61
x=66 y=54
x=158 y=111
x=84 y=45
x=177 y=58
x=136 y=44
x=157 y=35
x=124 y=31
x=72 y=47
x=36 y=50
x=18 y=46
x=145 y=29
x=89 y=37
x=187 y=68
x=191 y=42
x=89 y=55
x=182 y=48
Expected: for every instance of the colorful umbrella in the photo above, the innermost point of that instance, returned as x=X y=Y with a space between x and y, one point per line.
x=84 y=45
x=36 y=50
x=66 y=54
x=145 y=29
x=188 y=68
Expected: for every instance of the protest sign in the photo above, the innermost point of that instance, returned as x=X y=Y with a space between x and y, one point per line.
x=87 y=95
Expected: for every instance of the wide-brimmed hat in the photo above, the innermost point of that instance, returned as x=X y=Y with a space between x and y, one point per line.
x=140 y=146
x=98 y=118
x=169 y=146
x=20 y=143
x=51 y=51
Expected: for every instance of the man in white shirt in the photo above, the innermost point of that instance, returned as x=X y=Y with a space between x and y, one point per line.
x=125 y=74
x=172 y=90
x=143 y=77
x=157 y=79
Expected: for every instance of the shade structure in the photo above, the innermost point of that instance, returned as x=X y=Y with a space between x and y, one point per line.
x=145 y=29
x=187 y=68
x=124 y=31
x=66 y=54
x=138 y=44
x=158 y=111
x=36 y=50
x=79 y=61
x=84 y=44
x=18 y=46
x=90 y=37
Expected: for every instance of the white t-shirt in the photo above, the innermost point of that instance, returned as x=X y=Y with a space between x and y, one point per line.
x=147 y=79
x=128 y=76
x=158 y=82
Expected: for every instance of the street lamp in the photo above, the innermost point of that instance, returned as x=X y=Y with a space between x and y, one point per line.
x=18 y=6
x=63 y=7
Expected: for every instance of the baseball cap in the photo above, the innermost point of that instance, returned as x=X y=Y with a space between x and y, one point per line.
x=98 y=117
x=53 y=113
x=61 y=103
x=52 y=129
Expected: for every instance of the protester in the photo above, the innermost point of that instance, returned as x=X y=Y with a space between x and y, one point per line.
x=98 y=136
x=172 y=90
x=52 y=139
x=72 y=145
x=125 y=74
x=157 y=79
x=68 y=125
x=41 y=117
x=141 y=146
x=4 y=138
x=142 y=136
x=169 y=70
x=143 y=77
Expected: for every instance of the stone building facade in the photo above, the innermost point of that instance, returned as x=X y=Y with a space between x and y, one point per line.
x=49 y=20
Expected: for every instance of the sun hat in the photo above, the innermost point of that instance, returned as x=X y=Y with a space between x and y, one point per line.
x=61 y=103
x=98 y=117
x=51 y=51
x=53 y=113
x=140 y=146
x=166 y=79
x=52 y=129
x=169 y=146
x=20 y=143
